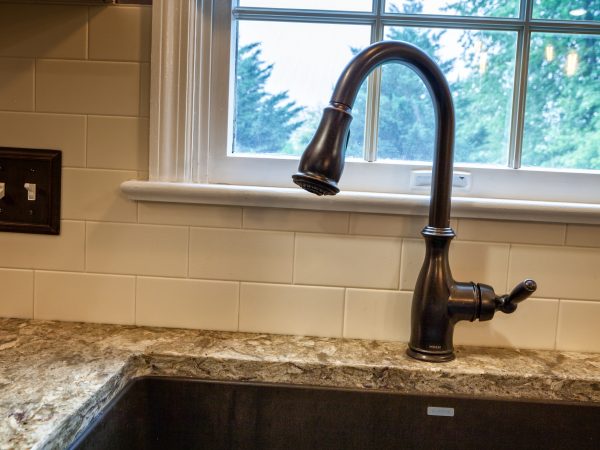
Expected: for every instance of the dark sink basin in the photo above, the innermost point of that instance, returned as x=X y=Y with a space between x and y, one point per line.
x=171 y=413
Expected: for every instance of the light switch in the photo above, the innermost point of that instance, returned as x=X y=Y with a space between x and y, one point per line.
x=30 y=181
x=30 y=191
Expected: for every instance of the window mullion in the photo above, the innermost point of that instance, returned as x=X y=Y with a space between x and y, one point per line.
x=519 y=96
x=520 y=87
x=373 y=91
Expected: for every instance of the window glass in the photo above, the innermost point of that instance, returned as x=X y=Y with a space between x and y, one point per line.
x=494 y=8
x=562 y=118
x=479 y=66
x=285 y=74
x=337 y=5
x=567 y=10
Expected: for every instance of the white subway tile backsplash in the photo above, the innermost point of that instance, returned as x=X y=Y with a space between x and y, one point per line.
x=84 y=297
x=50 y=31
x=352 y=261
x=17 y=84
x=469 y=261
x=214 y=216
x=117 y=143
x=16 y=293
x=241 y=255
x=95 y=195
x=88 y=87
x=533 y=325
x=136 y=249
x=304 y=310
x=165 y=302
x=38 y=251
x=583 y=235
x=295 y=220
x=77 y=79
x=121 y=33
x=560 y=272
x=376 y=314
x=578 y=328
x=47 y=131
x=511 y=232
x=387 y=225
x=413 y=253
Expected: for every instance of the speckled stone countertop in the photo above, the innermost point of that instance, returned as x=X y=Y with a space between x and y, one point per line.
x=56 y=376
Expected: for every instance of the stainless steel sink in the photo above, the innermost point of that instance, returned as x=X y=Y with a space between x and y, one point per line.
x=177 y=413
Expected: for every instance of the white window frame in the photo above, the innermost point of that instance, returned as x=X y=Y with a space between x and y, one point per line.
x=190 y=59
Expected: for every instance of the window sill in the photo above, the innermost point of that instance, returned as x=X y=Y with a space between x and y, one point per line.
x=364 y=202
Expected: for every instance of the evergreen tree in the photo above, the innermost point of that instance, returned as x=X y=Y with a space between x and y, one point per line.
x=263 y=121
x=406 y=117
x=562 y=126
x=562 y=120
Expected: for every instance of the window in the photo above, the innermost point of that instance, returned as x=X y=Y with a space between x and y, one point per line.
x=256 y=74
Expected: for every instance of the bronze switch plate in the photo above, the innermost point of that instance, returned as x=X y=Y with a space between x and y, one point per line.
x=30 y=182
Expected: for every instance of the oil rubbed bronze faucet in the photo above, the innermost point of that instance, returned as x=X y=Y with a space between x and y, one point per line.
x=438 y=301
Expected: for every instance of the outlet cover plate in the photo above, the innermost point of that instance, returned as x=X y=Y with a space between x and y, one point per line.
x=19 y=166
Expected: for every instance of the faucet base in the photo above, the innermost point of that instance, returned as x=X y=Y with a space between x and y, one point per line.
x=430 y=357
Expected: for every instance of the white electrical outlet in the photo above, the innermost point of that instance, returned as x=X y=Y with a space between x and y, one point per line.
x=421 y=179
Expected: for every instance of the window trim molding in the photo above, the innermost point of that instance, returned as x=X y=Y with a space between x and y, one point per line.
x=359 y=202
x=182 y=39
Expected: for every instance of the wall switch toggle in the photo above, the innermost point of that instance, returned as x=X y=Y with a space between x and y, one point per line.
x=30 y=191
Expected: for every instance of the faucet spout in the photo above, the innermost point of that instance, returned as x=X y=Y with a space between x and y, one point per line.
x=323 y=159
x=438 y=301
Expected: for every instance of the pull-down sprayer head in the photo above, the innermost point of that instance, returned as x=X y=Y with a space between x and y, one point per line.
x=322 y=162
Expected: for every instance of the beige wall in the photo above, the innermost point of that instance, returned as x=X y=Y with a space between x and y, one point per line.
x=76 y=78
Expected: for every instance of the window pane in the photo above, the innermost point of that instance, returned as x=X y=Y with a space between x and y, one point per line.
x=285 y=74
x=333 y=5
x=479 y=66
x=562 y=117
x=494 y=8
x=567 y=9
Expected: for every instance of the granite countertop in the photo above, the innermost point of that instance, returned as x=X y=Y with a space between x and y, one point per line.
x=56 y=376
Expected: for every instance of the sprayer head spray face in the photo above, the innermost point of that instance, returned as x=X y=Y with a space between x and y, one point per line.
x=315 y=185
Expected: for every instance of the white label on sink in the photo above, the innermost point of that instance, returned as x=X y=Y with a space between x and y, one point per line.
x=440 y=411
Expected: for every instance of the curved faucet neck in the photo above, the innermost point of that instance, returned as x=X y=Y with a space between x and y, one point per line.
x=364 y=63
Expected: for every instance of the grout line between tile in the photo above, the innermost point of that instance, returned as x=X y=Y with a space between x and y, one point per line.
x=239 y=304
x=294 y=250
x=85 y=134
x=87 y=34
x=556 y=329
x=33 y=297
x=457 y=228
x=187 y=268
x=344 y=313
x=135 y=294
x=85 y=239
x=400 y=265
x=506 y=286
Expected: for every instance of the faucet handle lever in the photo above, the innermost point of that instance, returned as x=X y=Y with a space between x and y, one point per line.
x=508 y=303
